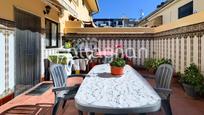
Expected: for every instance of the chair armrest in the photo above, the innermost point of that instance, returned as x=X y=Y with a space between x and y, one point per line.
x=65 y=88
x=77 y=75
x=163 y=90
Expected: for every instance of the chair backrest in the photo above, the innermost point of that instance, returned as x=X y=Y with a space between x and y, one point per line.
x=164 y=75
x=58 y=75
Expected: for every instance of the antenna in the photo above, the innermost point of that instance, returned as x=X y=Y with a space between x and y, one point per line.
x=141 y=12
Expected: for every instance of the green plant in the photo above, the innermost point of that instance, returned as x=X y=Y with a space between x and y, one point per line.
x=155 y=63
x=68 y=44
x=149 y=63
x=162 y=61
x=193 y=77
x=58 y=59
x=118 y=62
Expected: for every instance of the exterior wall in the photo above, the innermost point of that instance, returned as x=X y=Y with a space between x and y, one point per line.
x=2 y=61
x=186 y=46
x=25 y=5
x=7 y=60
x=109 y=30
x=170 y=12
x=80 y=12
x=7 y=33
x=185 y=40
x=182 y=45
x=7 y=11
x=186 y=21
x=138 y=44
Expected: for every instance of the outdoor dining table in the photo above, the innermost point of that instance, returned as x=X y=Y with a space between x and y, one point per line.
x=101 y=92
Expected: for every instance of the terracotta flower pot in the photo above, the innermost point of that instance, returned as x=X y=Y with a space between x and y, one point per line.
x=117 y=70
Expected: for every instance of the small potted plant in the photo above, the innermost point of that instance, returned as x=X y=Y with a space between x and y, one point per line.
x=117 y=66
x=192 y=81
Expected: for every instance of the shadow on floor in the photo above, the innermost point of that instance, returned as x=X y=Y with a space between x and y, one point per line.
x=38 y=109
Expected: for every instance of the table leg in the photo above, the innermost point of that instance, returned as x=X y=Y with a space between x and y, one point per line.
x=114 y=114
x=80 y=112
x=91 y=113
x=142 y=114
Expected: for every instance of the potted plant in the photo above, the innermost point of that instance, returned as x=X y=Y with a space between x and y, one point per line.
x=63 y=59
x=152 y=64
x=117 y=66
x=159 y=62
x=149 y=64
x=58 y=59
x=192 y=81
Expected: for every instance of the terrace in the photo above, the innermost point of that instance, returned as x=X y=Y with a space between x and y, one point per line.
x=180 y=41
x=166 y=44
x=180 y=102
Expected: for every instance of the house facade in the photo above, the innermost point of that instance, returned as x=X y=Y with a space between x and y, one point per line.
x=30 y=30
x=170 y=11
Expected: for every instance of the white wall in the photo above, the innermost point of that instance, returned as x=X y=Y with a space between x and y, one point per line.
x=7 y=62
x=2 y=62
x=170 y=13
x=11 y=60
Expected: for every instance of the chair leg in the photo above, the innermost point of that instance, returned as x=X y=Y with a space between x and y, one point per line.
x=55 y=107
x=64 y=103
x=80 y=112
x=167 y=107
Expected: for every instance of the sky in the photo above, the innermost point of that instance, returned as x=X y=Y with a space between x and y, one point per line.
x=125 y=8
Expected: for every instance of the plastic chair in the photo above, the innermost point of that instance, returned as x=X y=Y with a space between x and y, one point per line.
x=163 y=79
x=61 y=89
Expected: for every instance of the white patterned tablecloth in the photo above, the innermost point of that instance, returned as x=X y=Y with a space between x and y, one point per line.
x=102 y=92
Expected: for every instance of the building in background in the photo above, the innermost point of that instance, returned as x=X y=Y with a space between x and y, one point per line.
x=116 y=22
x=30 y=30
x=170 y=11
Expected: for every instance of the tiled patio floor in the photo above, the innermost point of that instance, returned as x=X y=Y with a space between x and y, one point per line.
x=180 y=102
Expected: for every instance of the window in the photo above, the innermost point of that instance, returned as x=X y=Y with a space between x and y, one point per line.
x=120 y=22
x=185 y=10
x=51 y=29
